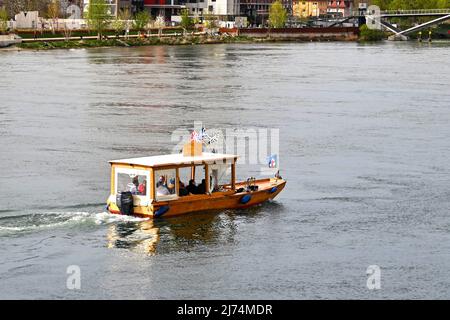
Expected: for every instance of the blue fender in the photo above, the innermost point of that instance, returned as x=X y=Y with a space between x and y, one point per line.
x=161 y=211
x=273 y=190
x=245 y=199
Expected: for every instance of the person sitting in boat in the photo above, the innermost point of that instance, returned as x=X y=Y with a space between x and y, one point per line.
x=171 y=186
x=142 y=189
x=136 y=181
x=183 y=191
x=201 y=189
x=192 y=188
x=161 y=181
x=131 y=187
x=162 y=190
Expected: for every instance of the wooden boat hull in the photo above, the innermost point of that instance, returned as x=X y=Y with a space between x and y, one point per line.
x=267 y=189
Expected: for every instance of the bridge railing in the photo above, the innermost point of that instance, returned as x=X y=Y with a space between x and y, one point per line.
x=416 y=11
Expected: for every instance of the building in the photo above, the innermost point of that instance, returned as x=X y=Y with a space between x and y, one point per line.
x=27 y=20
x=257 y=11
x=165 y=8
x=116 y=5
x=340 y=8
x=309 y=8
x=220 y=8
x=224 y=9
x=136 y=6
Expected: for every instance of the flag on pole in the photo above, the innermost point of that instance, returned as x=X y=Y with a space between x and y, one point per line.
x=273 y=161
x=195 y=136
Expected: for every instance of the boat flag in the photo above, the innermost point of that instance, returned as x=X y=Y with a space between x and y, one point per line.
x=195 y=136
x=272 y=161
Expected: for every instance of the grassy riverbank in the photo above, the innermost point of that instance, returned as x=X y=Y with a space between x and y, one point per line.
x=134 y=42
x=137 y=42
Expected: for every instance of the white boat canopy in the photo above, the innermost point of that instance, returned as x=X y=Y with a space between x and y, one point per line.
x=178 y=159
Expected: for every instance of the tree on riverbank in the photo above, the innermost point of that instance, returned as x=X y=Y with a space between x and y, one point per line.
x=13 y=7
x=366 y=34
x=120 y=23
x=186 y=21
x=3 y=20
x=98 y=16
x=277 y=15
x=210 y=22
x=142 y=20
x=53 y=12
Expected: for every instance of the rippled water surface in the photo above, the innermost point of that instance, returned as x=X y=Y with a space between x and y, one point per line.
x=364 y=145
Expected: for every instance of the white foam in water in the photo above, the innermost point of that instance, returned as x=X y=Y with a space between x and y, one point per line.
x=105 y=218
x=69 y=218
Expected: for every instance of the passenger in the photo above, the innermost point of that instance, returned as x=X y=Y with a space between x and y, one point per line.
x=162 y=190
x=182 y=191
x=136 y=181
x=192 y=188
x=142 y=189
x=132 y=188
x=201 y=189
x=171 y=186
x=161 y=181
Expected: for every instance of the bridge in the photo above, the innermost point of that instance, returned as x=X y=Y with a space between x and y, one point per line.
x=377 y=19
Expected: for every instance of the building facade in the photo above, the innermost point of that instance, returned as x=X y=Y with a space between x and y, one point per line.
x=340 y=8
x=166 y=8
x=309 y=8
x=257 y=11
x=117 y=5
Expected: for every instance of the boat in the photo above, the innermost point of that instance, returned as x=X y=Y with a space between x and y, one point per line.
x=156 y=186
x=9 y=40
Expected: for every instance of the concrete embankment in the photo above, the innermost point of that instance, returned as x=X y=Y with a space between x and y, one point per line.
x=224 y=36
x=303 y=34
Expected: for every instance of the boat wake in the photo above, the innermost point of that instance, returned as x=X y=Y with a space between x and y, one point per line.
x=50 y=220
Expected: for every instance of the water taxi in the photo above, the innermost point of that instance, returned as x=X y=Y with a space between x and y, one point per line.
x=169 y=185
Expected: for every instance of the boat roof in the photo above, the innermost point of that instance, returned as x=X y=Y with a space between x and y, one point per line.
x=176 y=159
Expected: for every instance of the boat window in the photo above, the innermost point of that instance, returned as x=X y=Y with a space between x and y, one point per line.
x=165 y=184
x=132 y=181
x=185 y=176
x=220 y=176
x=191 y=180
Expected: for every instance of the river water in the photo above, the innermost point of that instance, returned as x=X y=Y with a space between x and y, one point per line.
x=364 y=144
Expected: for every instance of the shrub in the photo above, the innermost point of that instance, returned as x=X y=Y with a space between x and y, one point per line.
x=366 y=34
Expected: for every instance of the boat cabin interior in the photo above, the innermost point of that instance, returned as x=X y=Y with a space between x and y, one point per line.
x=170 y=177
